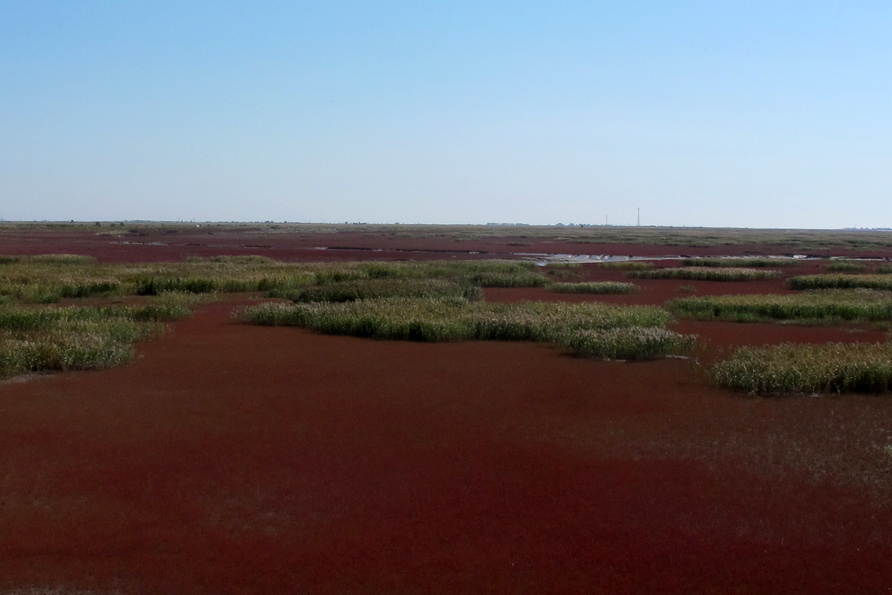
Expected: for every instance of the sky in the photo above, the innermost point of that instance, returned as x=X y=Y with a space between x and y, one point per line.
x=699 y=113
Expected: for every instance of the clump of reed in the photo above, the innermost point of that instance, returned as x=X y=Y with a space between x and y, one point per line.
x=739 y=262
x=420 y=319
x=420 y=279
x=83 y=349
x=61 y=259
x=363 y=289
x=599 y=287
x=486 y=273
x=43 y=287
x=53 y=277
x=628 y=265
x=221 y=274
x=497 y=279
x=154 y=285
x=47 y=280
x=808 y=369
x=391 y=318
x=37 y=339
x=230 y=275
x=706 y=274
x=47 y=259
x=218 y=277
x=168 y=306
x=883 y=269
x=562 y=270
x=628 y=343
x=30 y=292
x=240 y=259
x=880 y=282
x=811 y=306
x=846 y=266
x=388 y=318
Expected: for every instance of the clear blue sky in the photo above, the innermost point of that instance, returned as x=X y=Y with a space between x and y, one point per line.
x=712 y=113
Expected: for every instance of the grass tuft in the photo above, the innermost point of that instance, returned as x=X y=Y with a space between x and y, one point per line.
x=362 y=289
x=846 y=266
x=53 y=277
x=37 y=339
x=629 y=343
x=628 y=265
x=881 y=282
x=602 y=287
x=706 y=274
x=826 y=305
x=61 y=259
x=808 y=369
x=418 y=319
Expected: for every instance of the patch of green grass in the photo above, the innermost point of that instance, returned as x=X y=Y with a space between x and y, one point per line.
x=362 y=289
x=154 y=285
x=883 y=269
x=30 y=318
x=395 y=318
x=61 y=259
x=600 y=287
x=36 y=339
x=163 y=310
x=30 y=293
x=41 y=282
x=828 y=305
x=563 y=270
x=529 y=279
x=808 y=369
x=51 y=278
x=846 y=266
x=706 y=274
x=48 y=338
x=224 y=276
x=239 y=260
x=484 y=273
x=628 y=343
x=628 y=265
x=589 y=329
x=87 y=349
x=880 y=282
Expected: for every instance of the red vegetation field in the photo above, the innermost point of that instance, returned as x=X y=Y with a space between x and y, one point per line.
x=310 y=243
x=238 y=459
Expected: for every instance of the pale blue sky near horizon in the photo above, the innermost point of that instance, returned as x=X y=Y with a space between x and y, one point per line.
x=700 y=113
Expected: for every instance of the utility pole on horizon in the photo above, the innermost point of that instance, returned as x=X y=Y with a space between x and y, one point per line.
x=639 y=216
